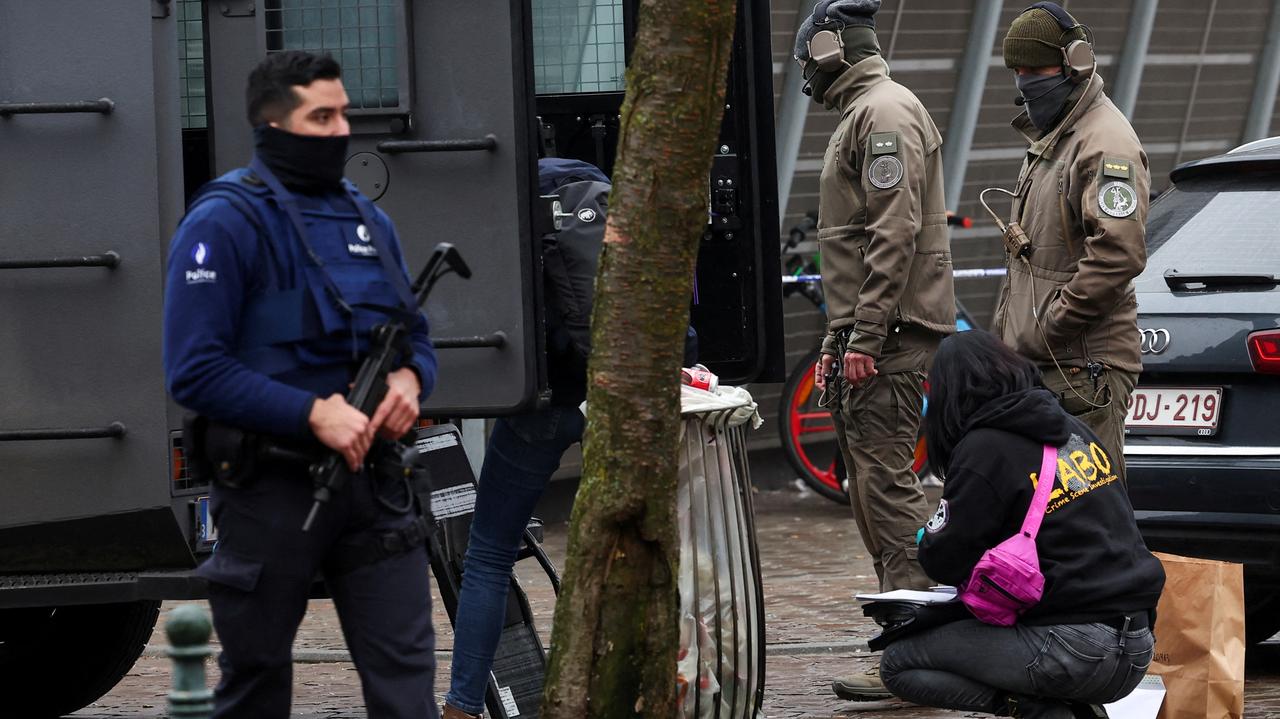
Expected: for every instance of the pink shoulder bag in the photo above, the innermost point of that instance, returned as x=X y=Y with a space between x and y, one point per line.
x=1007 y=581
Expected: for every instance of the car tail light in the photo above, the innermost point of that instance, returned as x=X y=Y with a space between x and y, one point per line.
x=1264 y=351
x=178 y=464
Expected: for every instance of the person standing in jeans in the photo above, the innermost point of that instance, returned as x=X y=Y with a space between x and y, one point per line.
x=1088 y=641
x=525 y=450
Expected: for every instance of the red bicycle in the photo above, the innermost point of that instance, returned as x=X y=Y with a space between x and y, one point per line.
x=808 y=436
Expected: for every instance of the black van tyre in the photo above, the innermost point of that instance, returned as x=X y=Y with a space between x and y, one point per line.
x=1262 y=612
x=56 y=660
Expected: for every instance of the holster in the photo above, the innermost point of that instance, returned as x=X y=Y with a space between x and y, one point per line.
x=219 y=453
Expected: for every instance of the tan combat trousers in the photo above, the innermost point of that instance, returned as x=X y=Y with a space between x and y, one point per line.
x=1078 y=394
x=876 y=427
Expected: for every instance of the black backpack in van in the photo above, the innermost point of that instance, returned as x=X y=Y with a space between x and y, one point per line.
x=571 y=255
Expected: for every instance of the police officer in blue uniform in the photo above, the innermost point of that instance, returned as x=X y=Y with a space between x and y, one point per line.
x=276 y=276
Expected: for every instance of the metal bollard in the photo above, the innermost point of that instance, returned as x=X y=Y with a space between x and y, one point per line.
x=188 y=628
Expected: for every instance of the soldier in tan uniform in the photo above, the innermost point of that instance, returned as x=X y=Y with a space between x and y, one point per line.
x=1068 y=304
x=886 y=273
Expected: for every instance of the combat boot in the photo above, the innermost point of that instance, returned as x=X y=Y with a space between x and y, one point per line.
x=864 y=687
x=449 y=711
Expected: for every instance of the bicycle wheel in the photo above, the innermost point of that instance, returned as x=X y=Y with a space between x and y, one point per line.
x=808 y=434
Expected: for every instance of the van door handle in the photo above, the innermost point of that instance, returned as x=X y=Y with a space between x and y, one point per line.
x=102 y=106
x=115 y=430
x=109 y=259
x=497 y=340
x=396 y=147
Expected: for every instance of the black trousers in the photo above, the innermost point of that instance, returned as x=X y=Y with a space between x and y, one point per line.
x=260 y=576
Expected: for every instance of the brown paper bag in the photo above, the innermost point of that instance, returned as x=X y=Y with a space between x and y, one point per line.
x=1200 y=639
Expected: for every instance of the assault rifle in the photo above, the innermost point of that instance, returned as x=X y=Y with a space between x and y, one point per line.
x=388 y=343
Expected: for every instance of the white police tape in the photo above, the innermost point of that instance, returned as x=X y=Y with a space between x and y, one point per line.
x=958 y=274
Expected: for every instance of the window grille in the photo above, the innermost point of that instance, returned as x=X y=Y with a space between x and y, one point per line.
x=367 y=37
x=195 y=107
x=578 y=46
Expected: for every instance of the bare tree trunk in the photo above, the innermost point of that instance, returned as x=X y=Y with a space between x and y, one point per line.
x=616 y=629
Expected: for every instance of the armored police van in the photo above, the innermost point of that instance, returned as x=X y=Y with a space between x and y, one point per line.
x=113 y=113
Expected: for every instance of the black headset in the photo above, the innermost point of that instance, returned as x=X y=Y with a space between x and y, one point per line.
x=1077 y=56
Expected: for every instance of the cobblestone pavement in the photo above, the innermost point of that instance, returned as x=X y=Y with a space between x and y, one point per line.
x=812 y=563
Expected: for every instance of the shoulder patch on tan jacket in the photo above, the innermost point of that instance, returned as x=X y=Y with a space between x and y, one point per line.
x=1117 y=167
x=883 y=143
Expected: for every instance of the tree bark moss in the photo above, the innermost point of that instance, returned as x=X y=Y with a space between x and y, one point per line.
x=616 y=623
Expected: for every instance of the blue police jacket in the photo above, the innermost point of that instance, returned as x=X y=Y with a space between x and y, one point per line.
x=259 y=322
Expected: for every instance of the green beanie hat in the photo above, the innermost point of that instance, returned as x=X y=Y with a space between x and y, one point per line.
x=1035 y=39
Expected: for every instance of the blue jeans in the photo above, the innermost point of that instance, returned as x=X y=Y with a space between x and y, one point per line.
x=971 y=666
x=522 y=454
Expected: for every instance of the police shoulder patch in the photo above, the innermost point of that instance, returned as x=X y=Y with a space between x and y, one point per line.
x=939 y=518
x=885 y=172
x=1118 y=198
x=883 y=143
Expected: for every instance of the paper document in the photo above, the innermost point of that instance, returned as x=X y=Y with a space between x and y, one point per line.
x=1142 y=703
x=914 y=596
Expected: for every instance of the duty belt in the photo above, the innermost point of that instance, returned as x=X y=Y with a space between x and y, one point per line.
x=371 y=547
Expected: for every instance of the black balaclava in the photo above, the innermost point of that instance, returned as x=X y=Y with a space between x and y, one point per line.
x=820 y=81
x=860 y=43
x=1045 y=96
x=304 y=163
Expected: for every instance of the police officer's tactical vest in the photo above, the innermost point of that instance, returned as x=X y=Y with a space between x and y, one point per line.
x=331 y=284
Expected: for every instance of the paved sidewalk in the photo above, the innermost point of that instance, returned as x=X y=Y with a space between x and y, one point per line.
x=812 y=563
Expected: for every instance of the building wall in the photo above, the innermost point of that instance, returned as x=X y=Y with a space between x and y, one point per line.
x=1192 y=102
x=1195 y=93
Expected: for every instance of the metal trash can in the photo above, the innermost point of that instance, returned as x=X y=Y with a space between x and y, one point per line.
x=720 y=664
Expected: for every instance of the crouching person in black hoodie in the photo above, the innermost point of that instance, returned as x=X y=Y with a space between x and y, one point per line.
x=1088 y=641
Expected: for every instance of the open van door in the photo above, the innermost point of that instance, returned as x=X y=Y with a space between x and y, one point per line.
x=441 y=131
x=580 y=54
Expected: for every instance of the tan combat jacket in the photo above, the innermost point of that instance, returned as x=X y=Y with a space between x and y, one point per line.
x=882 y=222
x=1083 y=205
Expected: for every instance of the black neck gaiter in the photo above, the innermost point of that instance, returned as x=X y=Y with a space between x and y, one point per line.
x=303 y=163
x=1045 y=97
